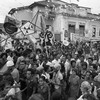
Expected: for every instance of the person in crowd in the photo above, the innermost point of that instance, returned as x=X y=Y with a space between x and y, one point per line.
x=57 y=81
x=67 y=64
x=74 y=84
x=31 y=83
x=84 y=70
x=85 y=89
x=54 y=72
x=43 y=88
x=88 y=76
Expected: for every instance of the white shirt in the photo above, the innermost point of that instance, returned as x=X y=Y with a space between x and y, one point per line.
x=12 y=91
x=57 y=78
x=67 y=66
x=46 y=75
x=55 y=61
x=80 y=98
x=78 y=62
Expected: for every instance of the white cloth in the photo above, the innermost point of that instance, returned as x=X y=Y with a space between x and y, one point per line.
x=55 y=61
x=40 y=67
x=80 y=98
x=57 y=78
x=9 y=58
x=37 y=57
x=97 y=78
x=46 y=75
x=57 y=66
x=67 y=66
x=50 y=64
x=10 y=63
x=78 y=62
x=13 y=91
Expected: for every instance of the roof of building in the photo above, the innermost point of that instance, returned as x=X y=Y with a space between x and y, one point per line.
x=43 y=3
x=48 y=4
x=13 y=10
x=39 y=3
x=73 y=4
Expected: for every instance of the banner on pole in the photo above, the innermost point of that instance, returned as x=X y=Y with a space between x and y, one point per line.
x=77 y=37
x=47 y=37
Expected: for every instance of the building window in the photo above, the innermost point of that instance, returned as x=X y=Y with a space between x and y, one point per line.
x=94 y=32
x=71 y=28
x=82 y=30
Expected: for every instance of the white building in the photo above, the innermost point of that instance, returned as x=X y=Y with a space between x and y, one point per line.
x=65 y=18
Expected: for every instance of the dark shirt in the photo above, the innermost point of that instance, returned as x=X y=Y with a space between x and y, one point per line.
x=31 y=86
x=44 y=90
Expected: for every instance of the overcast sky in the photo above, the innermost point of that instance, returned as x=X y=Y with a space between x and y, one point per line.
x=6 y=5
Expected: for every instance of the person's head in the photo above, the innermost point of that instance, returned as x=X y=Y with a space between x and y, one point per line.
x=85 y=87
x=88 y=74
x=58 y=56
x=69 y=56
x=21 y=50
x=38 y=51
x=57 y=67
x=29 y=73
x=90 y=60
x=74 y=72
x=63 y=59
x=22 y=65
x=91 y=68
x=73 y=63
x=35 y=65
x=82 y=58
x=46 y=68
x=84 y=65
x=4 y=56
x=8 y=51
x=51 y=57
x=27 y=60
x=41 y=80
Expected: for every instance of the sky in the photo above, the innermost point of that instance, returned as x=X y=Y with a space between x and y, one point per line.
x=7 y=5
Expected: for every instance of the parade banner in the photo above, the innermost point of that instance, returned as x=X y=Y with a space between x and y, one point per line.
x=10 y=28
x=65 y=39
x=6 y=42
x=77 y=37
x=28 y=32
x=47 y=37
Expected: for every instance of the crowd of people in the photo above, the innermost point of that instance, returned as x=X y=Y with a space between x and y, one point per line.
x=57 y=72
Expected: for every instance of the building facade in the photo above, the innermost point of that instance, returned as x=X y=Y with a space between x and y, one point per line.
x=69 y=21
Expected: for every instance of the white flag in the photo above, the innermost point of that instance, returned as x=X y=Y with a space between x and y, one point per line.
x=28 y=32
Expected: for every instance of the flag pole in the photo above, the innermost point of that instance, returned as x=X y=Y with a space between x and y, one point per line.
x=46 y=44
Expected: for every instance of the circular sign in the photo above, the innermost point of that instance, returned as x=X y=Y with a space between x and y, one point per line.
x=10 y=28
